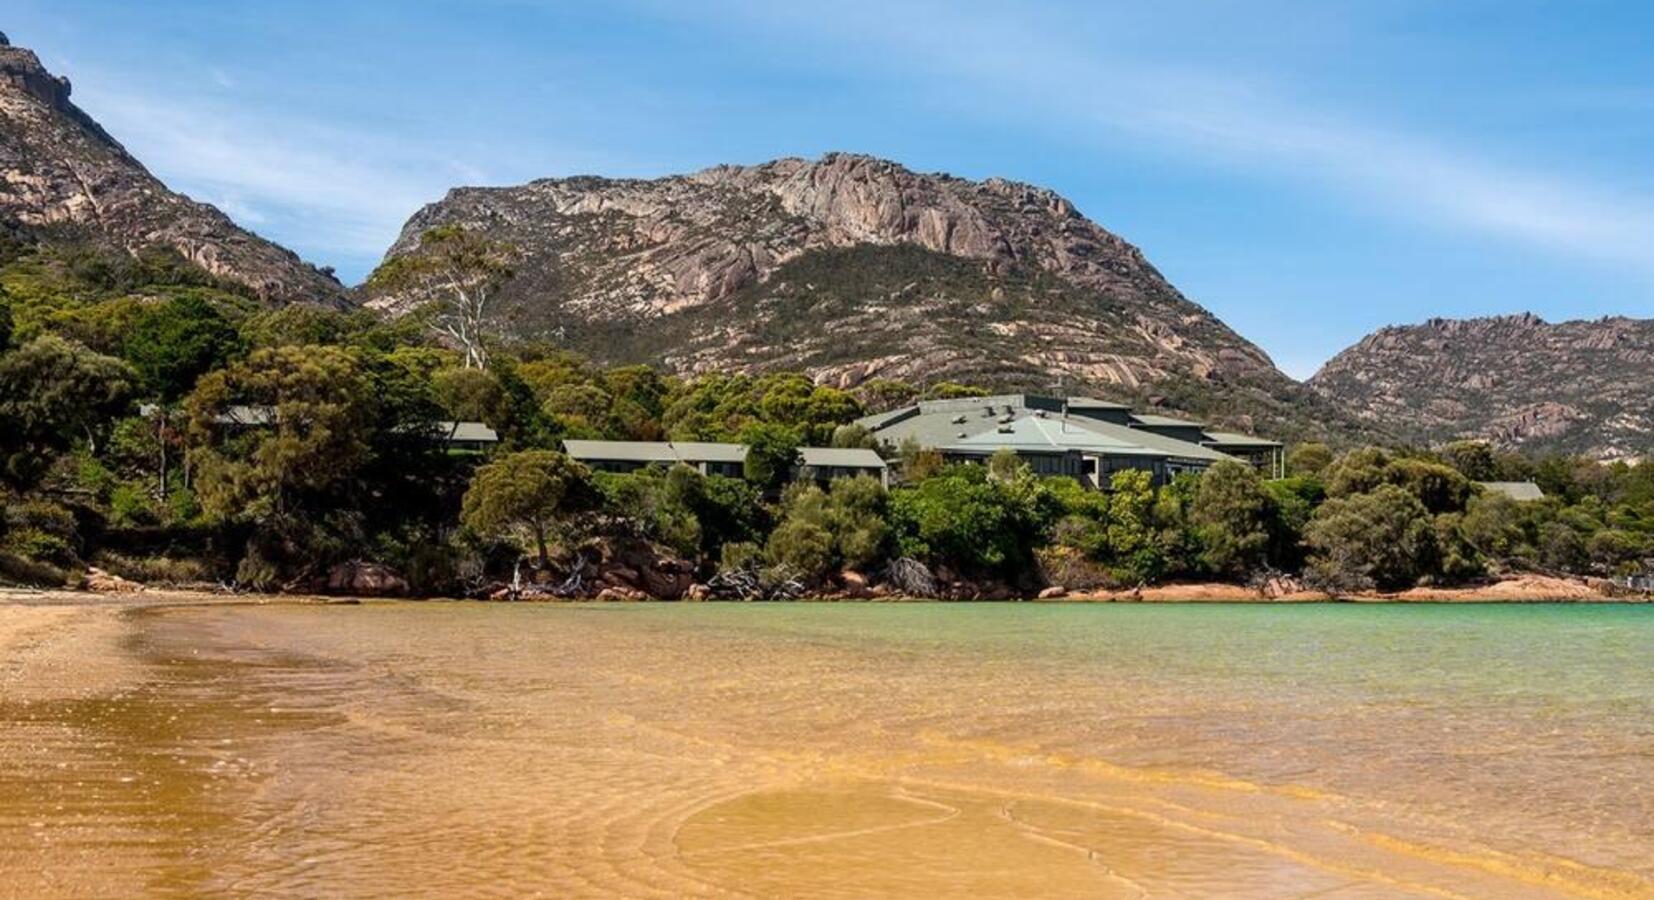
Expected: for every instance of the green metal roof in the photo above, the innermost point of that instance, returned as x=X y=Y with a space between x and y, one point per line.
x=696 y=451
x=1169 y=446
x=841 y=457
x=1522 y=491
x=655 y=451
x=1033 y=434
x=1094 y=403
x=973 y=426
x=1237 y=440
x=1163 y=421
x=469 y=432
x=879 y=420
x=699 y=452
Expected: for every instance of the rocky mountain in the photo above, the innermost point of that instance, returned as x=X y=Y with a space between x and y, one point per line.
x=1580 y=387
x=854 y=268
x=60 y=172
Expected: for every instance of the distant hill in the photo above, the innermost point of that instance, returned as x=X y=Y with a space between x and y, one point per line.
x=1579 y=387
x=61 y=172
x=854 y=268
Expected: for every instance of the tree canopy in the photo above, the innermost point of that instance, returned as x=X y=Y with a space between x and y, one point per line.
x=528 y=496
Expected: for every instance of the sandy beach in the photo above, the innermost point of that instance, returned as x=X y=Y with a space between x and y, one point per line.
x=158 y=744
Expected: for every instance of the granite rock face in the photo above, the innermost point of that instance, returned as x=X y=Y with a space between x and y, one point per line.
x=60 y=170
x=854 y=268
x=1518 y=381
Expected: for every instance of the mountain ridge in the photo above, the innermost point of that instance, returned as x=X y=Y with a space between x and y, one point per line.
x=1579 y=386
x=61 y=170
x=852 y=268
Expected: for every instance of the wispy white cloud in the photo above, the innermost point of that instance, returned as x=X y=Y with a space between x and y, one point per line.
x=1027 y=71
x=345 y=189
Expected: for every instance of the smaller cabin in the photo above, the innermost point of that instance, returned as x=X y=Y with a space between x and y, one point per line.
x=1520 y=491
x=707 y=458
x=823 y=464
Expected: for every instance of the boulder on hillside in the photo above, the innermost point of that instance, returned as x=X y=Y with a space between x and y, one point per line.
x=629 y=564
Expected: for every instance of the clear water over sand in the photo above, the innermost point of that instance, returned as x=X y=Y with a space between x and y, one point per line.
x=835 y=750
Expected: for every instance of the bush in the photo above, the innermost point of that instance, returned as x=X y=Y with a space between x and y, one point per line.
x=740 y=556
x=1561 y=548
x=19 y=570
x=856 y=512
x=652 y=500
x=1070 y=567
x=131 y=506
x=43 y=531
x=803 y=547
x=1134 y=551
x=1440 y=488
x=694 y=514
x=1295 y=499
x=772 y=453
x=1492 y=524
x=963 y=519
x=1382 y=539
x=821 y=530
x=159 y=570
x=1619 y=552
x=1308 y=459
x=256 y=572
x=1232 y=514
x=1457 y=560
x=917 y=463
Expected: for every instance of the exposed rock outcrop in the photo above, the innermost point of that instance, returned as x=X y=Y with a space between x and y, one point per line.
x=854 y=268
x=1518 y=381
x=366 y=579
x=60 y=169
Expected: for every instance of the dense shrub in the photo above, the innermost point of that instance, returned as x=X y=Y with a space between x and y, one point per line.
x=531 y=497
x=1232 y=515
x=42 y=531
x=1383 y=538
x=963 y=518
x=821 y=531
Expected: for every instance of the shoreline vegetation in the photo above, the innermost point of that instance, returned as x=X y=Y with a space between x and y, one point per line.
x=1517 y=589
x=161 y=428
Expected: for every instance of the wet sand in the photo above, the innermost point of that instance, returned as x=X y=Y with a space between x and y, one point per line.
x=471 y=750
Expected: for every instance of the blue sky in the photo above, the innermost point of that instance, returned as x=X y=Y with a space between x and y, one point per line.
x=1308 y=171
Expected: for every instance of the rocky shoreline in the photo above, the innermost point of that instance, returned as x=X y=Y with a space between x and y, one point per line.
x=1516 y=589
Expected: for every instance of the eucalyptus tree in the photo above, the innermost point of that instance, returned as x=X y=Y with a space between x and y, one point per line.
x=461 y=271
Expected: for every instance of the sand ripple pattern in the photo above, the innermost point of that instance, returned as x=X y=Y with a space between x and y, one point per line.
x=463 y=750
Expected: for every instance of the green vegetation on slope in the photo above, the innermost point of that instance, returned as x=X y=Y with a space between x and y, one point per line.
x=348 y=470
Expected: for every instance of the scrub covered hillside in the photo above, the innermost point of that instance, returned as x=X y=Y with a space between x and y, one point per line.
x=124 y=381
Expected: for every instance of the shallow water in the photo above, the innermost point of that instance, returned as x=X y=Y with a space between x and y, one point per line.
x=844 y=750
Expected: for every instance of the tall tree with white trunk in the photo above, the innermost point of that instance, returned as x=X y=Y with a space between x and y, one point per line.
x=459 y=271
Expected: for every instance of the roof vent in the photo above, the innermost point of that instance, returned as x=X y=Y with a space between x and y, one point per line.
x=958 y=420
x=1005 y=419
x=962 y=435
x=1006 y=429
x=1039 y=413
